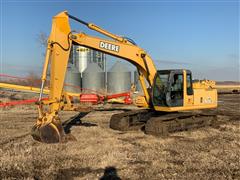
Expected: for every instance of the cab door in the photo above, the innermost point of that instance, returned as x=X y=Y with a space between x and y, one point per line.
x=160 y=88
x=176 y=95
x=173 y=88
x=168 y=88
x=188 y=89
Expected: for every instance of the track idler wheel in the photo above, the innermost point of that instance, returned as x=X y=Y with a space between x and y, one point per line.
x=48 y=133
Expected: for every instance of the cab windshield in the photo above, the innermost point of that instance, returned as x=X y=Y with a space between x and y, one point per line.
x=160 y=88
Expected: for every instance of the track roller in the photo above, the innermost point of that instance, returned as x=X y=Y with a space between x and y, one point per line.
x=119 y=123
x=132 y=120
x=159 y=126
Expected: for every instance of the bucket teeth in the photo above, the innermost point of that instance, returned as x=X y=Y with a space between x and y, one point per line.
x=35 y=133
x=48 y=133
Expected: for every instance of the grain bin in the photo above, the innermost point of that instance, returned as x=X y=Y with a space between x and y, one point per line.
x=118 y=79
x=72 y=81
x=81 y=56
x=93 y=78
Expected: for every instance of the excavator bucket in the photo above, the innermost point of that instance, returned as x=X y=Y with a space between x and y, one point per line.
x=52 y=132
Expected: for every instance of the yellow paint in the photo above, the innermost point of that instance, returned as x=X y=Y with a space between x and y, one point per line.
x=22 y=88
x=228 y=86
x=32 y=89
x=173 y=109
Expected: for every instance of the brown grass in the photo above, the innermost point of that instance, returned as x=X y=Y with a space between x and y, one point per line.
x=206 y=153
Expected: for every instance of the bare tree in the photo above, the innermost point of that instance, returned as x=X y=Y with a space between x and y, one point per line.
x=42 y=39
x=33 y=79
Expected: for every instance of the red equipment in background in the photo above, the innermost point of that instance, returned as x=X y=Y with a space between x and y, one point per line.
x=90 y=98
x=95 y=98
x=20 y=102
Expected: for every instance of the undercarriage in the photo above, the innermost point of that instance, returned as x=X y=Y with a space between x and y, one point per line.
x=161 y=124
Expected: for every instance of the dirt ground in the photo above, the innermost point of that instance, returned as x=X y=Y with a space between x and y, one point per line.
x=100 y=152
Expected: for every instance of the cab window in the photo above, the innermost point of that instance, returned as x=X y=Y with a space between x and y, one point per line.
x=159 y=89
x=189 y=85
x=177 y=83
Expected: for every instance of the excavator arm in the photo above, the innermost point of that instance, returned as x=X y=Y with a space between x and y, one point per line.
x=48 y=127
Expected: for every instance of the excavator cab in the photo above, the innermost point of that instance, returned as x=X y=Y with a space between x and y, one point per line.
x=168 y=87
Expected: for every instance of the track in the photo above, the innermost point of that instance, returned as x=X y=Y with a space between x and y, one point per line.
x=160 y=124
x=170 y=123
x=229 y=92
x=130 y=120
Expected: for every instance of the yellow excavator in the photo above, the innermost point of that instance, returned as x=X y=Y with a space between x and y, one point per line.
x=167 y=93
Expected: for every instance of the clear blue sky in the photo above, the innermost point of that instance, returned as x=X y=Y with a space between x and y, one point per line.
x=202 y=36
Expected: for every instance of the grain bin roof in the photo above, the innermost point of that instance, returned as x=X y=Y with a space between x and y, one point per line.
x=92 y=67
x=119 y=67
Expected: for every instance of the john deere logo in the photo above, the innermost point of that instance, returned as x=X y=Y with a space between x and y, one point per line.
x=108 y=46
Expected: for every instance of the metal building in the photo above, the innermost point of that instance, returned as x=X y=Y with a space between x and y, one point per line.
x=118 y=78
x=72 y=80
x=81 y=56
x=81 y=69
x=93 y=78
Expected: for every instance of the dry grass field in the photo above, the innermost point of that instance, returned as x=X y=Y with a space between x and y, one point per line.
x=101 y=153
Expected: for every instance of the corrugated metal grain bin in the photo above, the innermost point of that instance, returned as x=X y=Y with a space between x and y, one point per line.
x=93 y=78
x=118 y=79
x=81 y=56
x=72 y=81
